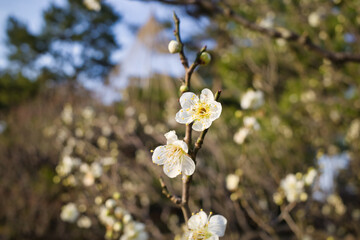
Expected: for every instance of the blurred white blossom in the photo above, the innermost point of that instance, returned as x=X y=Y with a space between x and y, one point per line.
x=134 y=231
x=67 y=114
x=252 y=99
x=84 y=222
x=250 y=124
x=69 y=213
x=232 y=182
x=293 y=188
x=92 y=5
x=310 y=176
x=314 y=19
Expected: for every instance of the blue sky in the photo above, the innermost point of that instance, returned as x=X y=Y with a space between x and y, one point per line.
x=133 y=13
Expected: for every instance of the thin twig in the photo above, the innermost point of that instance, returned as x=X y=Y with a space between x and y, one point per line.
x=260 y=222
x=165 y=191
x=302 y=39
x=183 y=58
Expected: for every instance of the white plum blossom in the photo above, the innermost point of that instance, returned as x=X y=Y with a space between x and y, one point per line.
x=84 y=222
x=105 y=218
x=91 y=173
x=92 y=5
x=314 y=19
x=174 y=157
x=250 y=124
x=209 y=227
x=69 y=213
x=199 y=111
x=293 y=188
x=110 y=203
x=252 y=99
x=310 y=176
x=134 y=231
x=67 y=114
x=232 y=182
x=66 y=165
x=240 y=135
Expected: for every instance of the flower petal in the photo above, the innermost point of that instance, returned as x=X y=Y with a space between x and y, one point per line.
x=188 y=99
x=213 y=237
x=215 y=109
x=206 y=95
x=159 y=155
x=217 y=225
x=171 y=137
x=197 y=221
x=184 y=116
x=172 y=169
x=182 y=145
x=198 y=126
x=202 y=124
x=188 y=165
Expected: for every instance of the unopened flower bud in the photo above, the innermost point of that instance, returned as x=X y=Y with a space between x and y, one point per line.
x=174 y=46
x=183 y=88
x=205 y=58
x=116 y=195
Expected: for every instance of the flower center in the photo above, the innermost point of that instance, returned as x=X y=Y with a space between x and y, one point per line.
x=201 y=234
x=202 y=110
x=173 y=154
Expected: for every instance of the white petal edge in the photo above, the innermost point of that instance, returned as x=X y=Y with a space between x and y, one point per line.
x=183 y=117
x=188 y=99
x=217 y=225
x=188 y=166
x=206 y=95
x=182 y=145
x=172 y=170
x=159 y=155
x=213 y=237
x=171 y=137
x=197 y=221
x=198 y=126
x=215 y=108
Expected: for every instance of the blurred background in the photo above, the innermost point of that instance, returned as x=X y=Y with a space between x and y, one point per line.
x=88 y=88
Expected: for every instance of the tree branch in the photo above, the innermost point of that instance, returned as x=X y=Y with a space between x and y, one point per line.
x=165 y=191
x=301 y=39
x=183 y=58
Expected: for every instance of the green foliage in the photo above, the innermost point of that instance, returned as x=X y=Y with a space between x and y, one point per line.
x=73 y=41
x=15 y=88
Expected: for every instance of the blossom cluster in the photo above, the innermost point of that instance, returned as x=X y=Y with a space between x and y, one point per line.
x=292 y=187
x=250 y=100
x=77 y=165
x=89 y=155
x=118 y=222
x=198 y=111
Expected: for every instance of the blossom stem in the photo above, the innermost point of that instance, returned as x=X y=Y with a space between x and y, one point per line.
x=183 y=58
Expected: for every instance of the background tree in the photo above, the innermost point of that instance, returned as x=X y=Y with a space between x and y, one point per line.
x=74 y=42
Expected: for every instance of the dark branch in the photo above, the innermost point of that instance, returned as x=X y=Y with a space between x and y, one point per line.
x=165 y=191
